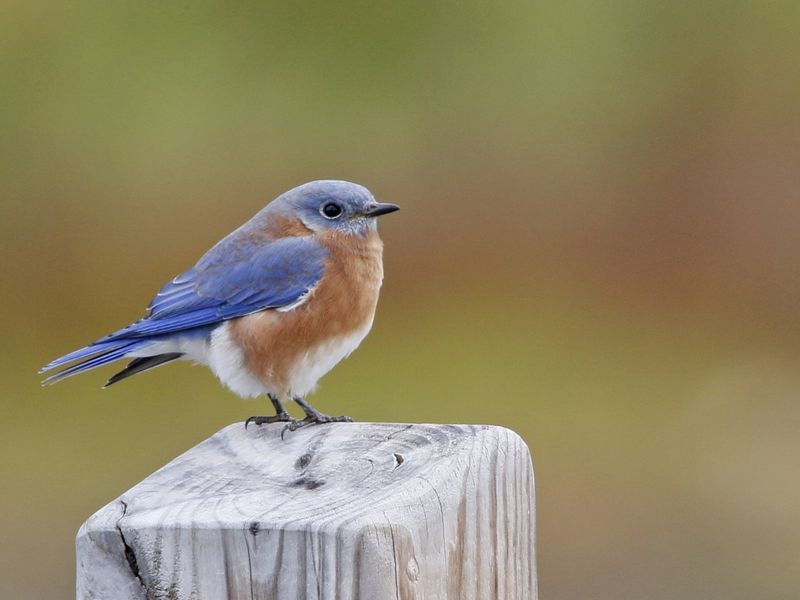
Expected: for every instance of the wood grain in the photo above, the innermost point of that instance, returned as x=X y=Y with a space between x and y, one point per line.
x=360 y=511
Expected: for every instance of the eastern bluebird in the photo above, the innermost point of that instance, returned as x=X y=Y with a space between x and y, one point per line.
x=271 y=308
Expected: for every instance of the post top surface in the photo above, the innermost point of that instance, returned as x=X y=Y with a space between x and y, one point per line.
x=331 y=475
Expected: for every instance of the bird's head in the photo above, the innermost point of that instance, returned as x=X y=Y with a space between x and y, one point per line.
x=333 y=205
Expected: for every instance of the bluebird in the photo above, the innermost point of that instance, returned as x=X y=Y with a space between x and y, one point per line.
x=271 y=308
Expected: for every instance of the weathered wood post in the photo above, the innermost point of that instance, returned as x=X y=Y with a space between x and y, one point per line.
x=350 y=511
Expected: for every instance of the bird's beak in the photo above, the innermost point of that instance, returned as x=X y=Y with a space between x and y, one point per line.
x=381 y=208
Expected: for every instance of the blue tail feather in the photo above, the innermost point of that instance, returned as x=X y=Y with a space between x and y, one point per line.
x=93 y=359
x=84 y=353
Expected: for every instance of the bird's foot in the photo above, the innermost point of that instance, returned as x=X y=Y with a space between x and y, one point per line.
x=317 y=419
x=313 y=417
x=280 y=417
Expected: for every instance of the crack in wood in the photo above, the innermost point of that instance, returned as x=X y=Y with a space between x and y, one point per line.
x=398 y=459
x=130 y=556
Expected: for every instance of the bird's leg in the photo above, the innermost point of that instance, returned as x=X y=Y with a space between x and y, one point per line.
x=313 y=417
x=280 y=414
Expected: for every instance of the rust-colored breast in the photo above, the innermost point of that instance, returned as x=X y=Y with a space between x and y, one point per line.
x=342 y=303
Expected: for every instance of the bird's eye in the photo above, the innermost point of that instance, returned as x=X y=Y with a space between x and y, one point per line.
x=331 y=210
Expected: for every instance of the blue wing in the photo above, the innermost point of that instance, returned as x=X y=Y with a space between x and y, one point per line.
x=238 y=276
x=234 y=279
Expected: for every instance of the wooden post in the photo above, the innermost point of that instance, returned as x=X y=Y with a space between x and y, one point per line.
x=347 y=511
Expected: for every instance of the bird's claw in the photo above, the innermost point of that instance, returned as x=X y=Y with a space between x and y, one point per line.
x=281 y=417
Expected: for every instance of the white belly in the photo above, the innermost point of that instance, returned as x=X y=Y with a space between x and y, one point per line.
x=227 y=361
x=218 y=352
x=309 y=368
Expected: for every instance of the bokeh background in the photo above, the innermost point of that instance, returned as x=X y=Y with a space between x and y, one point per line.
x=599 y=247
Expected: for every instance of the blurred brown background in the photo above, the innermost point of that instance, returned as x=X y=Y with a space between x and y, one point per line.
x=599 y=247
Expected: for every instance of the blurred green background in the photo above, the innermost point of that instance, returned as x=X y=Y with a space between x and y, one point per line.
x=599 y=247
